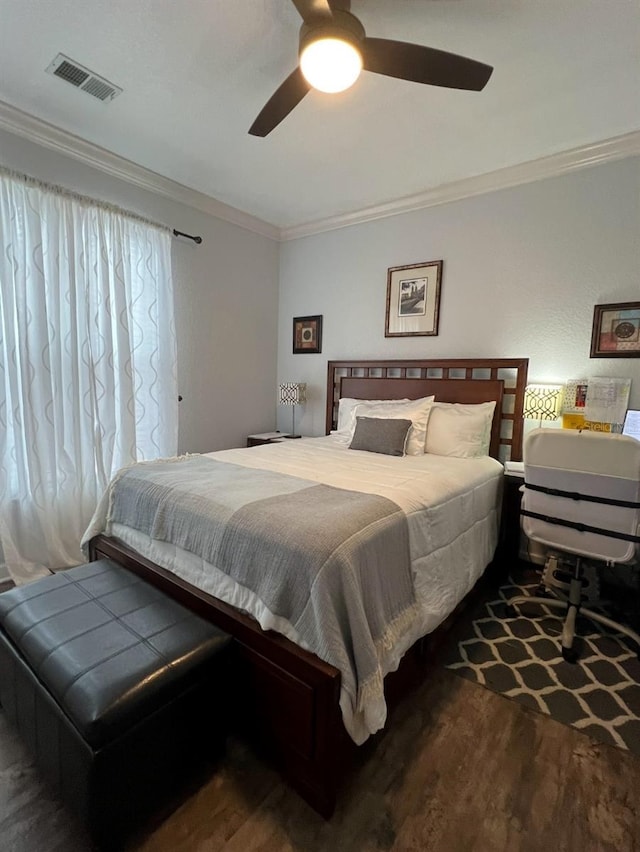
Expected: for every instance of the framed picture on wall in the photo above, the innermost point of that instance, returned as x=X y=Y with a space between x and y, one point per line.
x=616 y=330
x=307 y=334
x=413 y=299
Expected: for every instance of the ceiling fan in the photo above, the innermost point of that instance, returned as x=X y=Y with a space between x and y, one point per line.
x=334 y=48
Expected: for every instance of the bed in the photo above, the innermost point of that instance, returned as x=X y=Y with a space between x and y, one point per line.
x=305 y=710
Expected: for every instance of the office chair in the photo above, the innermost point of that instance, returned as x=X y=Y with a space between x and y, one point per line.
x=582 y=500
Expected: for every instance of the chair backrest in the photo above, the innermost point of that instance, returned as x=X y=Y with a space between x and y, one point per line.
x=590 y=464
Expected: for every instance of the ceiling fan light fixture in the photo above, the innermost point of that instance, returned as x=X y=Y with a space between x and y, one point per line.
x=333 y=48
x=331 y=64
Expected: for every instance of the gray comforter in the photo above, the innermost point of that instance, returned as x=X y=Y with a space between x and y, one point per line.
x=334 y=563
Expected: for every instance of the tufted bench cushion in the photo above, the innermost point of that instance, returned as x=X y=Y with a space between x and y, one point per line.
x=111 y=683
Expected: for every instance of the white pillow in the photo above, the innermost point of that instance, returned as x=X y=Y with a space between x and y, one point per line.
x=416 y=410
x=346 y=406
x=459 y=430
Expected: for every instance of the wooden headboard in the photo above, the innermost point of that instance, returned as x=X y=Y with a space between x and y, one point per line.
x=467 y=380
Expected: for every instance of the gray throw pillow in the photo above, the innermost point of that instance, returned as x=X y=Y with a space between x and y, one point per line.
x=380 y=435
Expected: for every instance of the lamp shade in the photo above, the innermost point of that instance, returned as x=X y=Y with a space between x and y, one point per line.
x=292 y=393
x=543 y=402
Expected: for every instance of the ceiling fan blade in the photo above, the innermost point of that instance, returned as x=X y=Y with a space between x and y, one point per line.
x=424 y=64
x=313 y=10
x=280 y=104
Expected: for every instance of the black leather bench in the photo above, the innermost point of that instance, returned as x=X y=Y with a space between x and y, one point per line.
x=116 y=689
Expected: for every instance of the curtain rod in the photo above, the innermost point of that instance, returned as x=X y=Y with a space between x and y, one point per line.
x=83 y=199
x=196 y=240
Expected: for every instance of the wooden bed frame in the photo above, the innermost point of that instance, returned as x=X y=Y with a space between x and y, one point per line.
x=467 y=380
x=284 y=698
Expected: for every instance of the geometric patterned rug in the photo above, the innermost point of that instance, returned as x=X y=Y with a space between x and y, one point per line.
x=516 y=652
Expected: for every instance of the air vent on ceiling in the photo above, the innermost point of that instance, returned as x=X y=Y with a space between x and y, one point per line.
x=82 y=78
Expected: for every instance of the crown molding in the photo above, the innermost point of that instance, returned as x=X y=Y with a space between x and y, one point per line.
x=565 y=162
x=36 y=130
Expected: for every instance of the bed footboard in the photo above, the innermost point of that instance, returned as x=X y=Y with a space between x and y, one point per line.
x=284 y=699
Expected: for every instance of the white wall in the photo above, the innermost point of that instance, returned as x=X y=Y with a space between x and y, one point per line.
x=226 y=296
x=523 y=269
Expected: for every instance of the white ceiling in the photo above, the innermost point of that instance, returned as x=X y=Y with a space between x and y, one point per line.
x=195 y=74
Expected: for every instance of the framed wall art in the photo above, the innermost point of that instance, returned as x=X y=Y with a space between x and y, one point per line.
x=616 y=330
x=307 y=334
x=413 y=299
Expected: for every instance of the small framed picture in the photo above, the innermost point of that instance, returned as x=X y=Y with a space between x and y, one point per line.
x=307 y=334
x=616 y=331
x=413 y=299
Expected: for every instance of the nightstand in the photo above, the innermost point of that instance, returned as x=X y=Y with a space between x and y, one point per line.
x=509 y=545
x=266 y=438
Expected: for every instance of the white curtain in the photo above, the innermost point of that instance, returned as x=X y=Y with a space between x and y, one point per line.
x=87 y=364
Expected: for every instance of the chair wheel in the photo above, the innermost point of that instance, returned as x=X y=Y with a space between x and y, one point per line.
x=570 y=655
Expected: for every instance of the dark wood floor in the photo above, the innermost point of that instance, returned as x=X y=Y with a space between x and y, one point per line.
x=459 y=769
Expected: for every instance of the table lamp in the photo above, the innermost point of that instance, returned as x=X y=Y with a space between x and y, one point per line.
x=293 y=393
x=542 y=402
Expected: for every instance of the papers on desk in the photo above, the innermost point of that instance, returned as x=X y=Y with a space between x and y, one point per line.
x=598 y=403
x=607 y=399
